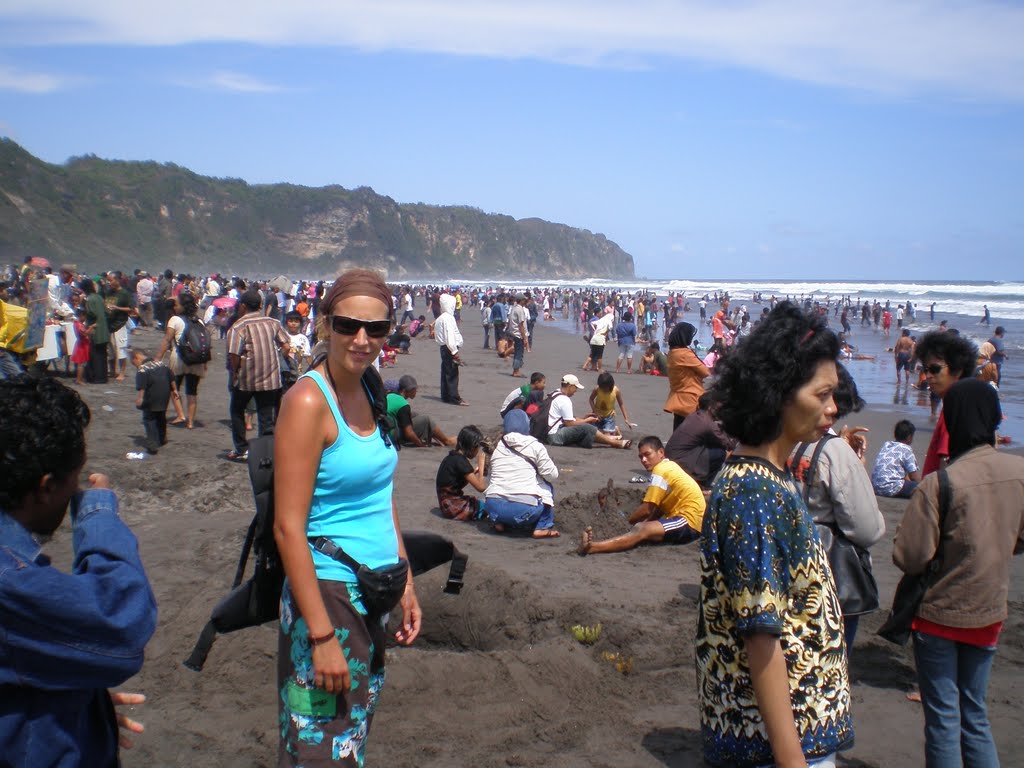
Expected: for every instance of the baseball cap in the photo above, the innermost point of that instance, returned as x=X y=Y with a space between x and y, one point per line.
x=570 y=378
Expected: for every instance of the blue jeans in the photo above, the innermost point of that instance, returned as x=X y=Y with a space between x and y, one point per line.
x=517 y=354
x=954 y=681
x=514 y=514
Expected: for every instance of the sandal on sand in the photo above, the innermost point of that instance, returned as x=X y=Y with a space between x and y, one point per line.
x=627 y=444
x=586 y=539
x=545 y=533
x=236 y=456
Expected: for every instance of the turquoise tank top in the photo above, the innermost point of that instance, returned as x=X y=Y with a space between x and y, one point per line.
x=351 y=503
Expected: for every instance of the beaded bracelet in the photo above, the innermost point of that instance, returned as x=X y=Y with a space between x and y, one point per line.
x=315 y=641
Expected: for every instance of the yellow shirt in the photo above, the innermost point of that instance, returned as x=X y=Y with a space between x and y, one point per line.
x=676 y=493
x=604 y=402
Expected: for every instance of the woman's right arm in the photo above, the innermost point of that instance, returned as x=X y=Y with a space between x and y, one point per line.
x=303 y=414
x=166 y=343
x=545 y=466
x=770 y=679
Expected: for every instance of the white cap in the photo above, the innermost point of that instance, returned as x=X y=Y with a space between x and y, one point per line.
x=570 y=378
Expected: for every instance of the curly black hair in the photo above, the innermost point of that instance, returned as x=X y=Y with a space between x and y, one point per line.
x=42 y=431
x=959 y=354
x=764 y=371
x=846 y=396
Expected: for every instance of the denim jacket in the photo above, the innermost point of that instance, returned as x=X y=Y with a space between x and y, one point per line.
x=66 y=638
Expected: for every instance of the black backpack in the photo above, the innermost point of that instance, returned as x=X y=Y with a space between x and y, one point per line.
x=195 y=347
x=257 y=601
x=539 y=426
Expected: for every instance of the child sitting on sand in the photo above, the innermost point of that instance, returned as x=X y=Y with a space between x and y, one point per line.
x=654 y=361
x=602 y=404
x=456 y=471
x=895 y=473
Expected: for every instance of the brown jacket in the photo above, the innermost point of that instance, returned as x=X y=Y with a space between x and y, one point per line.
x=686 y=374
x=985 y=528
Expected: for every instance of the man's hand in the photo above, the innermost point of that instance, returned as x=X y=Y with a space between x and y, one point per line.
x=125 y=723
x=855 y=437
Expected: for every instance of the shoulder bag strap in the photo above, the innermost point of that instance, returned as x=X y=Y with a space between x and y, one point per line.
x=522 y=455
x=945 y=501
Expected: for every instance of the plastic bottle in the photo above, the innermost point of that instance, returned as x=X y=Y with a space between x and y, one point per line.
x=134 y=455
x=108 y=408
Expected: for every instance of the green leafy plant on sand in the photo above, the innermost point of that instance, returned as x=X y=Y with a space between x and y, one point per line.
x=586 y=635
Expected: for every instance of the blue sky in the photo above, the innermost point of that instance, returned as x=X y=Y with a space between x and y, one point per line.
x=862 y=140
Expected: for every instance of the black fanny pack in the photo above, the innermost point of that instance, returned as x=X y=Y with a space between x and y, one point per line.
x=382 y=587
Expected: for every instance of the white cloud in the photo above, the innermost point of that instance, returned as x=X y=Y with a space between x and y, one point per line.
x=966 y=47
x=240 y=83
x=29 y=82
x=677 y=248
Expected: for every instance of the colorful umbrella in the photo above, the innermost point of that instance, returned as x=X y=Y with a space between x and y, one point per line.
x=225 y=302
x=39 y=261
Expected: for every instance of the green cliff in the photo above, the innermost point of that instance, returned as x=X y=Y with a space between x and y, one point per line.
x=102 y=214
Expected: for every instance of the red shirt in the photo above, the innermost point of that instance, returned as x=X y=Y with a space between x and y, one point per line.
x=938 y=448
x=982 y=637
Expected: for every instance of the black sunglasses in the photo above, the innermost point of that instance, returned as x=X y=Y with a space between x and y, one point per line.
x=934 y=369
x=349 y=326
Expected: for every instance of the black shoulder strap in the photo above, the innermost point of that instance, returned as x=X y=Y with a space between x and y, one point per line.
x=945 y=501
x=519 y=453
x=812 y=468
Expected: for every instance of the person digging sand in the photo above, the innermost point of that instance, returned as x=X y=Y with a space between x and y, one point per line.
x=672 y=510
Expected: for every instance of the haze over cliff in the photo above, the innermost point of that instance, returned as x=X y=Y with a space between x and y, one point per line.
x=103 y=214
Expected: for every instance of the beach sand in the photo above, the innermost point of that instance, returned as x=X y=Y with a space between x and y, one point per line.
x=496 y=678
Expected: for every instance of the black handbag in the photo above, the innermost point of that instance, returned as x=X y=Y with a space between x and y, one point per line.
x=851 y=571
x=382 y=587
x=851 y=565
x=911 y=589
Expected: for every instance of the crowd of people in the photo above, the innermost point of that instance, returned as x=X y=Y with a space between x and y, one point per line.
x=752 y=473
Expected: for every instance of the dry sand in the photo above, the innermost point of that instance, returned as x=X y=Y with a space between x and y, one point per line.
x=496 y=678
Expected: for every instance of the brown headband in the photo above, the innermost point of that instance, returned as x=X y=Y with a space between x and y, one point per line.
x=357 y=282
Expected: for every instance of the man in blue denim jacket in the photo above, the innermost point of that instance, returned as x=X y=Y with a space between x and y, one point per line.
x=64 y=638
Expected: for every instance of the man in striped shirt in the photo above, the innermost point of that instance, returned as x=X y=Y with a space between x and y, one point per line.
x=254 y=366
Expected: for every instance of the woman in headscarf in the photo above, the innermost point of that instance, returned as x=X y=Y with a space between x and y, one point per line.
x=686 y=374
x=958 y=622
x=334 y=467
x=519 y=494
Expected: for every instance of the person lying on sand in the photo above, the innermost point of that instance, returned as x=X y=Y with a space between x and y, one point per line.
x=672 y=510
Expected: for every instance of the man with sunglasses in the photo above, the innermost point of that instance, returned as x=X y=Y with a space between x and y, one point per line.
x=254 y=368
x=449 y=339
x=947 y=358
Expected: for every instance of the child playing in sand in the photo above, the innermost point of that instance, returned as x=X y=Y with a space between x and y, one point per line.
x=457 y=471
x=602 y=404
x=155 y=386
x=654 y=361
x=83 y=346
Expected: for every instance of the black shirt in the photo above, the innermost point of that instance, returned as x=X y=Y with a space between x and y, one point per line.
x=453 y=470
x=154 y=380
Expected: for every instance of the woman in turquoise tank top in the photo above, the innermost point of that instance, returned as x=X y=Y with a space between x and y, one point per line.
x=333 y=470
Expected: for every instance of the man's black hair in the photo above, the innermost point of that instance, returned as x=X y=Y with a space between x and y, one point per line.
x=904 y=430
x=846 y=396
x=42 y=432
x=536 y=377
x=764 y=371
x=251 y=300
x=959 y=354
x=651 y=441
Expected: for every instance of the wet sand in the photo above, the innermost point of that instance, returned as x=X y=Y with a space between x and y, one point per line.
x=497 y=678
